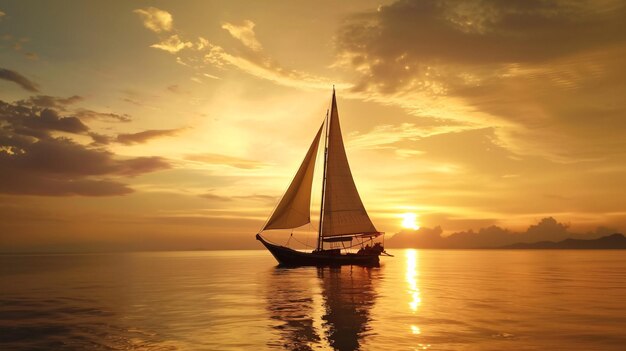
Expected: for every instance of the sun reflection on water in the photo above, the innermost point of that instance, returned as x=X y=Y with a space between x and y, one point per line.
x=415 y=329
x=415 y=300
x=411 y=279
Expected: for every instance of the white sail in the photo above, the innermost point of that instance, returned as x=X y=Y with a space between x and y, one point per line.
x=294 y=209
x=344 y=212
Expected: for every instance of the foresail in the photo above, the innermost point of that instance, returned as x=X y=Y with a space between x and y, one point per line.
x=294 y=208
x=344 y=212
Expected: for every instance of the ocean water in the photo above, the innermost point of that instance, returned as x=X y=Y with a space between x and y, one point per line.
x=240 y=300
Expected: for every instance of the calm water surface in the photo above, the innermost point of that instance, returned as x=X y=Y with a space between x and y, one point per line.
x=240 y=300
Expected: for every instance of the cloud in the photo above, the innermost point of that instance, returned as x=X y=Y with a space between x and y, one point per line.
x=47 y=101
x=145 y=136
x=19 y=79
x=2 y=14
x=31 y=56
x=481 y=32
x=17 y=45
x=35 y=162
x=219 y=159
x=391 y=136
x=211 y=76
x=214 y=197
x=63 y=104
x=59 y=167
x=20 y=183
x=253 y=62
x=245 y=34
x=100 y=139
x=172 y=44
x=37 y=123
x=176 y=89
x=255 y=197
x=514 y=67
x=155 y=19
x=101 y=116
x=261 y=66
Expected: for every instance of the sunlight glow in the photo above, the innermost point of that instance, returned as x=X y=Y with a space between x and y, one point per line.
x=409 y=220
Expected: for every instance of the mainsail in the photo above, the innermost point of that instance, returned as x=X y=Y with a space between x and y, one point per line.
x=294 y=209
x=344 y=213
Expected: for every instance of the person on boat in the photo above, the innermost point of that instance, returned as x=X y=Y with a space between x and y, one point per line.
x=369 y=250
x=378 y=247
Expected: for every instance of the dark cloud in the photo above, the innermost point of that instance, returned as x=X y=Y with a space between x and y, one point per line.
x=139 y=165
x=407 y=38
x=37 y=122
x=50 y=120
x=145 y=136
x=34 y=162
x=22 y=183
x=19 y=79
x=544 y=74
x=100 y=139
x=62 y=104
x=47 y=101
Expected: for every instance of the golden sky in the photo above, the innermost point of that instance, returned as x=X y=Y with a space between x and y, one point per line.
x=178 y=125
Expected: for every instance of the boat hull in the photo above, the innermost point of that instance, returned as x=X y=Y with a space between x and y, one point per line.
x=293 y=258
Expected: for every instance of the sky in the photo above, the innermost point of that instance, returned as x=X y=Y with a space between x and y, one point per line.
x=145 y=125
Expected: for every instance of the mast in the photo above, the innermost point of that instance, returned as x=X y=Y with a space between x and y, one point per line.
x=320 y=243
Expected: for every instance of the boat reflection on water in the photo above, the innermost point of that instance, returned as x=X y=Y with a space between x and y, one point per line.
x=322 y=307
x=290 y=303
x=349 y=295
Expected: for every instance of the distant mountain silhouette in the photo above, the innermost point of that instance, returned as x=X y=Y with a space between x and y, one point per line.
x=613 y=241
x=547 y=230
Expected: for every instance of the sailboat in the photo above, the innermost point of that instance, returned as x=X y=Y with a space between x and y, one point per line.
x=343 y=218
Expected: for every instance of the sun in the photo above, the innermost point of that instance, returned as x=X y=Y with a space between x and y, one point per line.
x=409 y=220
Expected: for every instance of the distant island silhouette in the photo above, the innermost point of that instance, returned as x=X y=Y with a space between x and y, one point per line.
x=610 y=242
x=547 y=234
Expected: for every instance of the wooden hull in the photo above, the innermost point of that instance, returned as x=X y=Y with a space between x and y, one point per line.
x=292 y=258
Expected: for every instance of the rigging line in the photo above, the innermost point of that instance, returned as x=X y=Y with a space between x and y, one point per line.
x=320 y=242
x=305 y=244
x=354 y=245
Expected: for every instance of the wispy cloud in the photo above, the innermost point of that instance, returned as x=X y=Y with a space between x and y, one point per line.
x=254 y=197
x=263 y=67
x=155 y=19
x=384 y=136
x=146 y=135
x=210 y=76
x=19 y=79
x=219 y=159
x=47 y=101
x=173 y=44
x=244 y=33
x=87 y=114
x=201 y=53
